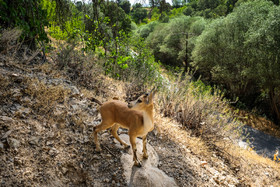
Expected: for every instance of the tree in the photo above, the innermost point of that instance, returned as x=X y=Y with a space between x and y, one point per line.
x=263 y=44
x=125 y=5
x=28 y=16
x=177 y=3
x=241 y=53
x=138 y=13
x=172 y=42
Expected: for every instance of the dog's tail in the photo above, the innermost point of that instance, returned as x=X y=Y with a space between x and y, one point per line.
x=95 y=100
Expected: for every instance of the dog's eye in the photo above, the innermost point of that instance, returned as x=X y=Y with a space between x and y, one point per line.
x=139 y=101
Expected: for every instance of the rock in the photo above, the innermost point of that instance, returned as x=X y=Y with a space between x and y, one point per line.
x=59 y=110
x=23 y=112
x=1 y=146
x=74 y=91
x=6 y=119
x=53 y=152
x=148 y=174
x=6 y=134
x=86 y=139
x=108 y=155
x=26 y=101
x=13 y=143
x=49 y=143
x=34 y=140
x=17 y=93
x=98 y=183
x=106 y=180
x=64 y=170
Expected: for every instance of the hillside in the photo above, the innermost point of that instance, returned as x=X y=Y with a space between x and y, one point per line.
x=46 y=124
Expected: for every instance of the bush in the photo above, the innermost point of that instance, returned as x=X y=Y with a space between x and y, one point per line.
x=79 y=68
x=173 y=42
x=240 y=53
x=200 y=108
x=145 y=30
x=132 y=61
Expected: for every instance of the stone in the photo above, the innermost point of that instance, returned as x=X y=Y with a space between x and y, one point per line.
x=148 y=175
x=13 y=143
x=50 y=143
x=74 y=91
x=6 y=119
x=34 y=140
x=6 y=134
x=23 y=112
x=64 y=170
x=1 y=146
x=53 y=152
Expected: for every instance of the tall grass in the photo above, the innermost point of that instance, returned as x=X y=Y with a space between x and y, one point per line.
x=200 y=108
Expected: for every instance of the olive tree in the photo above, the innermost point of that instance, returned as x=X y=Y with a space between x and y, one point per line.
x=241 y=53
x=173 y=42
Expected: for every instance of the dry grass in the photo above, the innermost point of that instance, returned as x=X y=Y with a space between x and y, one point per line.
x=201 y=110
x=9 y=40
x=250 y=168
x=46 y=97
x=170 y=129
x=211 y=120
x=4 y=88
x=259 y=123
x=253 y=168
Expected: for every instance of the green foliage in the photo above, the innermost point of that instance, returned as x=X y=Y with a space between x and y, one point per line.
x=209 y=8
x=133 y=26
x=125 y=5
x=164 y=18
x=27 y=15
x=188 y=11
x=176 y=12
x=132 y=61
x=105 y=31
x=178 y=3
x=66 y=26
x=118 y=20
x=145 y=30
x=172 y=42
x=241 y=52
x=155 y=14
x=138 y=13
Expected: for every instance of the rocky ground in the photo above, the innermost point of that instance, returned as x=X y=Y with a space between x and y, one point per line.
x=46 y=124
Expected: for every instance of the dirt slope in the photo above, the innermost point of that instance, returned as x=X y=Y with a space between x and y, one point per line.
x=45 y=138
